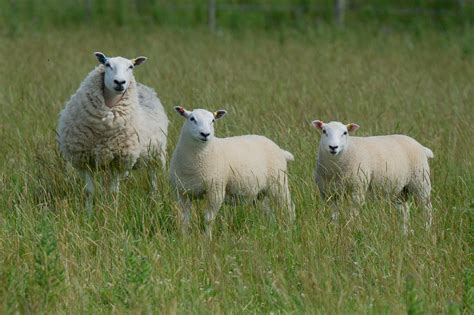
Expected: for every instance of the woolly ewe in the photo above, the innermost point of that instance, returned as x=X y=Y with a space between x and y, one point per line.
x=111 y=121
x=244 y=166
x=392 y=165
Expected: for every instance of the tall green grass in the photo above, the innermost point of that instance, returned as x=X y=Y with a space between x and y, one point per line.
x=35 y=15
x=132 y=258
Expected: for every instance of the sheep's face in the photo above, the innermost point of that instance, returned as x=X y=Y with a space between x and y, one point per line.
x=335 y=136
x=199 y=123
x=118 y=71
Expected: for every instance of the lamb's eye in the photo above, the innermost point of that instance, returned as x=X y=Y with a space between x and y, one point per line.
x=345 y=133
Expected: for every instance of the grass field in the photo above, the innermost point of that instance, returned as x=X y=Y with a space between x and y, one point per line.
x=55 y=258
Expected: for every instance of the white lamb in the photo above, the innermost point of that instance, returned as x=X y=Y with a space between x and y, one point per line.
x=112 y=121
x=245 y=166
x=394 y=165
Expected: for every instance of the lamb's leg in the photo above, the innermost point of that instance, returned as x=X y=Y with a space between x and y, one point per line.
x=185 y=204
x=90 y=188
x=215 y=200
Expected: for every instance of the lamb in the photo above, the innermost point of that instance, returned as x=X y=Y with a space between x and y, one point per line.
x=395 y=165
x=113 y=122
x=245 y=166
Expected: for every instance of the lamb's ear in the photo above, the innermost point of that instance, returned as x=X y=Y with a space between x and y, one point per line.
x=318 y=124
x=219 y=114
x=352 y=127
x=183 y=112
x=100 y=57
x=139 y=60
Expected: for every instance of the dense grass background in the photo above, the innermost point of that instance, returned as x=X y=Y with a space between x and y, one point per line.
x=24 y=15
x=55 y=258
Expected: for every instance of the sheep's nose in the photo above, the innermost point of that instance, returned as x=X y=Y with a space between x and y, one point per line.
x=205 y=135
x=119 y=82
x=333 y=147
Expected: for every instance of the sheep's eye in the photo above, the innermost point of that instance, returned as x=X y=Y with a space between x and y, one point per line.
x=131 y=67
x=192 y=119
x=108 y=65
x=324 y=131
x=213 y=120
x=345 y=132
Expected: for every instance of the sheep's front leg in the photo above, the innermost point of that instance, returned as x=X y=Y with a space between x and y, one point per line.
x=330 y=199
x=185 y=204
x=358 y=191
x=215 y=200
x=114 y=186
x=90 y=188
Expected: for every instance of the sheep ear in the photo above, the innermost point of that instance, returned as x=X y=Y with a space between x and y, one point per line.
x=183 y=112
x=352 y=127
x=318 y=124
x=100 y=57
x=139 y=60
x=219 y=114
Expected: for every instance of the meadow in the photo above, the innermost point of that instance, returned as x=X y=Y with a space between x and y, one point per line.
x=54 y=258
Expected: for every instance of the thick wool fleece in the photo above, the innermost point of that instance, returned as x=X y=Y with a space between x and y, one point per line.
x=385 y=163
x=236 y=166
x=90 y=134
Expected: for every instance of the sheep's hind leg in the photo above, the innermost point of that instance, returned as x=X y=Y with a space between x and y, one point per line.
x=282 y=194
x=422 y=195
x=404 y=209
x=267 y=209
x=152 y=174
x=423 y=200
